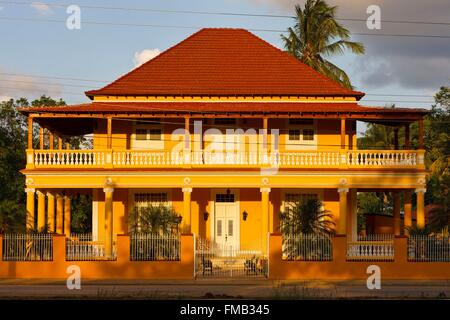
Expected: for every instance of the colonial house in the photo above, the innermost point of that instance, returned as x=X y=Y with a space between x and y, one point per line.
x=228 y=130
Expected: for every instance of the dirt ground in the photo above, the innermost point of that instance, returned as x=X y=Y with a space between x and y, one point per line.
x=222 y=289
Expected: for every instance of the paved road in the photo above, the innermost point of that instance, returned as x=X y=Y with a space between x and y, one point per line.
x=234 y=289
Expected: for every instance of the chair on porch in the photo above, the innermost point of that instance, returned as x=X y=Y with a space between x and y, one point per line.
x=207 y=265
x=252 y=265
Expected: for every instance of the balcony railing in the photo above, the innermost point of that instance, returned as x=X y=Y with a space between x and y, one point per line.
x=303 y=159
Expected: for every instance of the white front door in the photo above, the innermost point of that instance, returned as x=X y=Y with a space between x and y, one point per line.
x=226 y=222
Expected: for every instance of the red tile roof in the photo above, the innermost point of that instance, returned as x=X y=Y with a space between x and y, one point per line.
x=224 y=62
x=217 y=107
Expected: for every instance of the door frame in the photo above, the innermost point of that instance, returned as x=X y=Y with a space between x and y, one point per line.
x=212 y=204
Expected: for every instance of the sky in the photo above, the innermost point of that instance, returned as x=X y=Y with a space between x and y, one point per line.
x=35 y=43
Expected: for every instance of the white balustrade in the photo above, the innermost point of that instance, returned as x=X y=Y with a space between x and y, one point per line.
x=150 y=158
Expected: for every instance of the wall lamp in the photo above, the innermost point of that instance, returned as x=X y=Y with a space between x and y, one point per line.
x=205 y=216
x=244 y=215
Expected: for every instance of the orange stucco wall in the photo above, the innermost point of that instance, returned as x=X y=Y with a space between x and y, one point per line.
x=122 y=268
x=341 y=269
x=327 y=131
x=251 y=232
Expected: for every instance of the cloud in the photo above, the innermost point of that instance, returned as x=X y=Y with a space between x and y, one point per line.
x=145 y=55
x=410 y=63
x=5 y=98
x=17 y=86
x=42 y=8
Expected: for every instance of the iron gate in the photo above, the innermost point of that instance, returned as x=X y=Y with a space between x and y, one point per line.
x=216 y=261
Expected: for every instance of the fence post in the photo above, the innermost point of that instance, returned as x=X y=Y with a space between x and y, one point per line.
x=401 y=249
x=123 y=248
x=275 y=256
x=339 y=248
x=187 y=254
x=59 y=247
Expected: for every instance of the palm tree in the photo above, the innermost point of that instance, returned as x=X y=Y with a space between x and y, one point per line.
x=156 y=220
x=306 y=217
x=317 y=34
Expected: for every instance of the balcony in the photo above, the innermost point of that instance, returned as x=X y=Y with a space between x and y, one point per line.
x=120 y=159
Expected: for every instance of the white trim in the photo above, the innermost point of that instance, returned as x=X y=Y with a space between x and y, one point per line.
x=212 y=205
x=316 y=191
x=133 y=191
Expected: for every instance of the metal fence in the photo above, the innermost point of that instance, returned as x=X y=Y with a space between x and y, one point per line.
x=307 y=247
x=371 y=247
x=223 y=261
x=27 y=247
x=155 y=247
x=81 y=247
x=431 y=248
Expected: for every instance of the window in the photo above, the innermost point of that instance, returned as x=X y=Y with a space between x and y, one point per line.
x=141 y=134
x=292 y=198
x=230 y=228
x=308 y=134
x=155 y=134
x=225 y=197
x=294 y=134
x=301 y=121
x=146 y=199
x=219 y=228
x=225 y=121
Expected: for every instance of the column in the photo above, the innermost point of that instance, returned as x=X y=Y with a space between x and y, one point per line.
x=265 y=216
x=186 y=221
x=108 y=221
x=41 y=138
x=342 y=133
x=50 y=212
x=59 y=214
x=407 y=137
x=265 y=140
x=30 y=208
x=342 y=221
x=51 y=139
x=41 y=210
x=30 y=133
x=421 y=146
x=407 y=195
x=187 y=142
x=60 y=143
x=352 y=217
x=420 y=207
x=109 y=133
x=67 y=215
x=396 y=209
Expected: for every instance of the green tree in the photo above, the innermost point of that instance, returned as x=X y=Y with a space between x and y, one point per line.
x=13 y=143
x=161 y=219
x=306 y=217
x=316 y=35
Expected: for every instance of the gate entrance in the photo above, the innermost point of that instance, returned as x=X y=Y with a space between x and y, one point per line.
x=216 y=260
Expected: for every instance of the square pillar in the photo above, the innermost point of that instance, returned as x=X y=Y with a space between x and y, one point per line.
x=108 y=221
x=420 y=207
x=67 y=215
x=41 y=211
x=59 y=213
x=396 y=209
x=407 y=196
x=352 y=217
x=50 y=212
x=30 y=208
x=342 y=221
x=265 y=216
x=186 y=221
